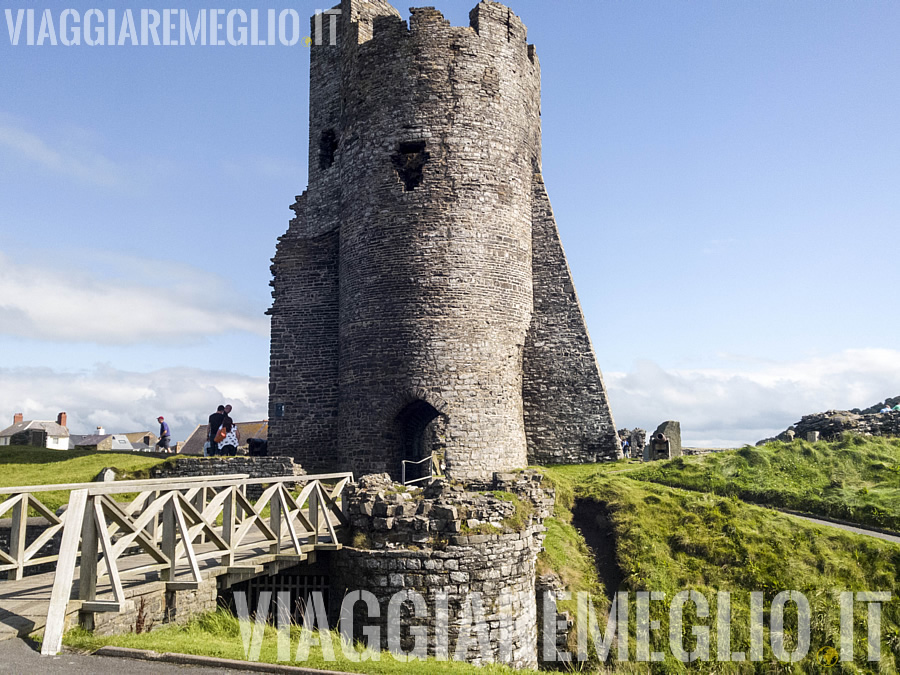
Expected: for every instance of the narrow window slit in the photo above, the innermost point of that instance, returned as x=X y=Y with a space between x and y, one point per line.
x=327 y=148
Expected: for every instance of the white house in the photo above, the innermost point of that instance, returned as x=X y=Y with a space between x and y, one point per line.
x=38 y=433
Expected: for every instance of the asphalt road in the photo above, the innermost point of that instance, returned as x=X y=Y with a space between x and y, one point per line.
x=18 y=657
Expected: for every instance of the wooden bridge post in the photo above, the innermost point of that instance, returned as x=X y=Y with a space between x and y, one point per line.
x=65 y=573
x=168 y=539
x=275 y=521
x=199 y=503
x=87 y=572
x=314 y=515
x=17 y=536
x=228 y=523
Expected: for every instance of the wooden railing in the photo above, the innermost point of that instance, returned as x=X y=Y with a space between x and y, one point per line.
x=167 y=521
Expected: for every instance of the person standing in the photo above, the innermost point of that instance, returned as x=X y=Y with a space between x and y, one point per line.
x=232 y=440
x=215 y=421
x=164 y=436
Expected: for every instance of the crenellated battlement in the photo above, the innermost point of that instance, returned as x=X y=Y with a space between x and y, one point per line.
x=365 y=20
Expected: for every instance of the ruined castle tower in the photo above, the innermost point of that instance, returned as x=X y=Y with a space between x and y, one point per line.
x=422 y=299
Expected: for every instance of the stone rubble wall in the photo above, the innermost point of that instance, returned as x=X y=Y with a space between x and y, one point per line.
x=255 y=467
x=154 y=606
x=555 y=642
x=832 y=423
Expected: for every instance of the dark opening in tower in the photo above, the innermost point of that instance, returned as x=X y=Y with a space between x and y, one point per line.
x=327 y=147
x=421 y=429
x=409 y=161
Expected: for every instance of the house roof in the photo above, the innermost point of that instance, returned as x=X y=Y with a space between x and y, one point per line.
x=52 y=428
x=195 y=442
x=138 y=436
x=119 y=441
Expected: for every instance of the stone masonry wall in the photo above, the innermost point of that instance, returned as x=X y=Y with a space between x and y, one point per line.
x=435 y=264
x=486 y=564
x=567 y=414
x=255 y=467
x=404 y=289
x=154 y=606
x=452 y=543
x=303 y=394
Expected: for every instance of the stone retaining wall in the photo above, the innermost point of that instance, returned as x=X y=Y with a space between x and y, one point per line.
x=468 y=553
x=154 y=606
x=255 y=467
x=485 y=577
x=34 y=528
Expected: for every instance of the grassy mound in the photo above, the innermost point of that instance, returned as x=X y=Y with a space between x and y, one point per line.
x=670 y=541
x=856 y=479
x=20 y=465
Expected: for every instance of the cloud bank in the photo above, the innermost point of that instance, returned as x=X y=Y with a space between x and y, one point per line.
x=731 y=406
x=716 y=407
x=123 y=401
x=117 y=300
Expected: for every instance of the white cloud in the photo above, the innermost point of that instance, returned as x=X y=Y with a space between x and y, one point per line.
x=123 y=401
x=753 y=400
x=117 y=301
x=66 y=157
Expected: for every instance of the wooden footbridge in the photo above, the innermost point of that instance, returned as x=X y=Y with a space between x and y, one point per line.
x=119 y=538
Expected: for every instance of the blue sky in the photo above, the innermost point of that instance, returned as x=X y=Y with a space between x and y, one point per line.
x=724 y=175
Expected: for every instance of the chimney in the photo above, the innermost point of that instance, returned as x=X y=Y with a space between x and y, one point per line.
x=61 y=419
x=101 y=431
x=18 y=417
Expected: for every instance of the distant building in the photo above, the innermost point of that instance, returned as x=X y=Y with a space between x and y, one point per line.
x=104 y=442
x=37 y=433
x=142 y=438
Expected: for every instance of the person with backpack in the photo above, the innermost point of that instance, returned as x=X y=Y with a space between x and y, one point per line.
x=215 y=422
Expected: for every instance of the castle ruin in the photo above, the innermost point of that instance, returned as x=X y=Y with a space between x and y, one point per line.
x=422 y=298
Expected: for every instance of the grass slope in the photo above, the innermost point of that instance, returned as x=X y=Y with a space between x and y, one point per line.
x=20 y=465
x=856 y=479
x=670 y=540
x=218 y=635
x=667 y=540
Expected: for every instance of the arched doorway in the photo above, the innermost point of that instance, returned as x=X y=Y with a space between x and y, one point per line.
x=420 y=428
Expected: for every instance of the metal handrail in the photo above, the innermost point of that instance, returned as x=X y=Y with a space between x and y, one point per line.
x=430 y=475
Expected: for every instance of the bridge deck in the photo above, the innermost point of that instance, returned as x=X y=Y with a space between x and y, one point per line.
x=174 y=535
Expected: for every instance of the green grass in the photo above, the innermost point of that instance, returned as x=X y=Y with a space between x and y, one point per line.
x=670 y=540
x=218 y=634
x=856 y=479
x=20 y=465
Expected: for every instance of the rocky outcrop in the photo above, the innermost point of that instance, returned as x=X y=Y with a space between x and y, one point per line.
x=832 y=423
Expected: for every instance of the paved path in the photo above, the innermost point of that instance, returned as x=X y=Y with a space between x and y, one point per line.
x=18 y=657
x=843 y=526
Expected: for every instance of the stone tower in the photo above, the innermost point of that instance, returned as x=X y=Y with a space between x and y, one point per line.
x=422 y=299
